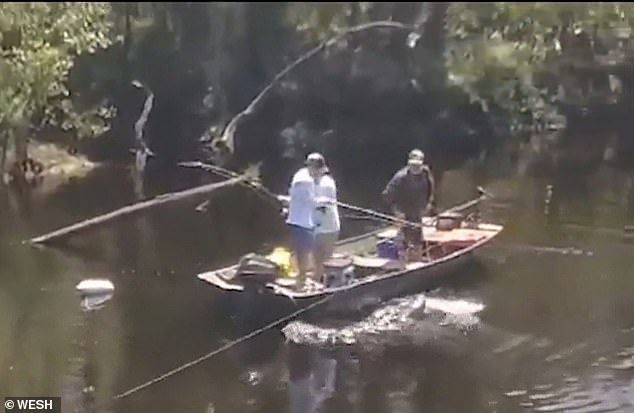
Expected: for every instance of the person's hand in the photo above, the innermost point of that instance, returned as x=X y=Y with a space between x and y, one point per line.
x=430 y=209
x=284 y=212
x=324 y=200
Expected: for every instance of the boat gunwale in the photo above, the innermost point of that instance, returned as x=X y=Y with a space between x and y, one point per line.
x=279 y=290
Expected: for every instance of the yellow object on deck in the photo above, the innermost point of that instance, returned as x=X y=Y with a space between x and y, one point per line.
x=282 y=257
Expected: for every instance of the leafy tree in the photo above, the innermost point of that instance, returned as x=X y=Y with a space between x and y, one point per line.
x=40 y=43
x=499 y=53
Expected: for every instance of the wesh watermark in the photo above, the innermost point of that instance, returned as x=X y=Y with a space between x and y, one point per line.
x=32 y=404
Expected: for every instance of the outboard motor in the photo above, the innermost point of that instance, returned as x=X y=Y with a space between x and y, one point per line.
x=257 y=270
x=338 y=272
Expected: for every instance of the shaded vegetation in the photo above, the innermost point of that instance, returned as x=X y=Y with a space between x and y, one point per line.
x=460 y=81
x=40 y=43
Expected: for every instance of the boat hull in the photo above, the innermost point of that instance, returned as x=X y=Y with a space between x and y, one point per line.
x=457 y=249
x=352 y=301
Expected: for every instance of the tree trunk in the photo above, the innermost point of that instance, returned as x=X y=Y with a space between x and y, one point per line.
x=20 y=139
x=406 y=13
x=3 y=160
x=193 y=193
x=431 y=47
x=219 y=35
x=127 y=46
x=142 y=151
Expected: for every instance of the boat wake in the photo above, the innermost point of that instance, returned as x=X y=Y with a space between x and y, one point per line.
x=414 y=320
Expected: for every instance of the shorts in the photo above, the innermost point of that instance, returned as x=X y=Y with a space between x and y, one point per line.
x=325 y=243
x=302 y=239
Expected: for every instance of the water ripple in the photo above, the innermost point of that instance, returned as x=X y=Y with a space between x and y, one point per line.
x=412 y=318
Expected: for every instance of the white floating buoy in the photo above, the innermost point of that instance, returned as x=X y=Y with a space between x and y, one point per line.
x=95 y=286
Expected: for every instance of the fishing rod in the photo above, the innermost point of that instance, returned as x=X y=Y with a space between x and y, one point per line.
x=393 y=219
x=260 y=190
x=284 y=199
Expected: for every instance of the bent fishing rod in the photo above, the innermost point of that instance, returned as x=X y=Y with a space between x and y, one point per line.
x=283 y=199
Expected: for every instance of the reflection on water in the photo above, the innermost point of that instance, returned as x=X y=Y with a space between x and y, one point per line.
x=96 y=302
x=312 y=376
x=528 y=329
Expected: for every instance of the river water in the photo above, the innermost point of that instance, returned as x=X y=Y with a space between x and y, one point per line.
x=543 y=321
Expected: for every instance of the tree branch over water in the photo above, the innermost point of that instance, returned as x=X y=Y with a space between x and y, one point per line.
x=228 y=135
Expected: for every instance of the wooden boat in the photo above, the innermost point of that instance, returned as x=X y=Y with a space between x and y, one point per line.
x=376 y=279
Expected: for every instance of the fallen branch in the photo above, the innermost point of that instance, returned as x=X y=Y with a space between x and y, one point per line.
x=227 y=138
x=134 y=208
x=226 y=173
x=141 y=151
x=139 y=125
x=253 y=184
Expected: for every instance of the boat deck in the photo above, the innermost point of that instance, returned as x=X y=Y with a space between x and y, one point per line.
x=362 y=249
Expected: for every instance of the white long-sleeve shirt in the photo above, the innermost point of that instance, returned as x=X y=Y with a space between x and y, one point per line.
x=326 y=221
x=301 y=204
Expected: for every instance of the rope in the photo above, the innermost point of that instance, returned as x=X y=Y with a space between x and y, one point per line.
x=219 y=350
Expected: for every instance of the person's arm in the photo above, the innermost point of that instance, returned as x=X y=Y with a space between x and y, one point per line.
x=302 y=191
x=329 y=189
x=432 y=191
x=432 y=187
x=390 y=191
x=323 y=201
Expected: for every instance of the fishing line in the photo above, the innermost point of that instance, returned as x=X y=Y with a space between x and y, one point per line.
x=219 y=350
x=232 y=343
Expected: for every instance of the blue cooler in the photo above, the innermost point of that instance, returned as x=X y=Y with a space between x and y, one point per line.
x=387 y=248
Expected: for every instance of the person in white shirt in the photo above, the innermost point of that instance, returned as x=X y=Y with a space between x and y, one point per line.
x=327 y=221
x=301 y=210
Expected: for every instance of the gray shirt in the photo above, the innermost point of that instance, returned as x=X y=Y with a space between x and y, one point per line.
x=409 y=192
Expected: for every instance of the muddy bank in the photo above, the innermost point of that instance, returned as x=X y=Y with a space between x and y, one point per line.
x=52 y=167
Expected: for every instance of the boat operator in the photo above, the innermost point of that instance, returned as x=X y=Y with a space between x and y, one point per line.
x=410 y=195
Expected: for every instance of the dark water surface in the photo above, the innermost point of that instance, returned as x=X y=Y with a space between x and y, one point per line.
x=553 y=329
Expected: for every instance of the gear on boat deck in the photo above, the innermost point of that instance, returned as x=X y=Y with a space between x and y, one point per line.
x=363 y=256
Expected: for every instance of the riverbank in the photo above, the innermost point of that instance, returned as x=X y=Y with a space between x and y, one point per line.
x=59 y=166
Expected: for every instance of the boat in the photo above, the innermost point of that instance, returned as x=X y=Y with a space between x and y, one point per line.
x=451 y=238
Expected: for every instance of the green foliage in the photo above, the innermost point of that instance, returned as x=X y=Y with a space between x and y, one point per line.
x=512 y=56
x=318 y=21
x=509 y=55
x=497 y=51
x=40 y=42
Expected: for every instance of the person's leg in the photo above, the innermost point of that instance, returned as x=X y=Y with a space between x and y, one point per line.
x=330 y=243
x=324 y=247
x=414 y=238
x=318 y=255
x=302 y=244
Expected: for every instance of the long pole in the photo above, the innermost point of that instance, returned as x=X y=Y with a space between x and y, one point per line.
x=283 y=199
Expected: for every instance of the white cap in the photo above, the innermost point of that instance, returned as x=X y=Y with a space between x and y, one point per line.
x=416 y=157
x=317 y=160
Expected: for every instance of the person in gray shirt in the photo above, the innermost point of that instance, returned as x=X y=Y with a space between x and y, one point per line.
x=409 y=194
